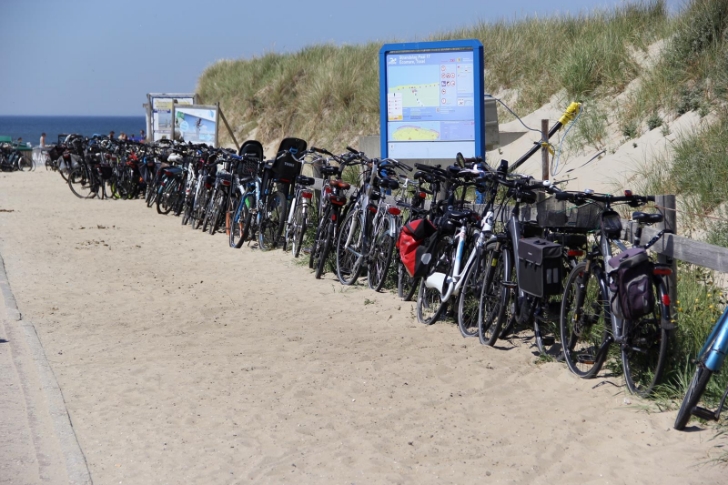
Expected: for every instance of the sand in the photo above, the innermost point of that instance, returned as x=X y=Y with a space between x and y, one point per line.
x=184 y=361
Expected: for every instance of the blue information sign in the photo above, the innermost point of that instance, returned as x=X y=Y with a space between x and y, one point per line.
x=431 y=99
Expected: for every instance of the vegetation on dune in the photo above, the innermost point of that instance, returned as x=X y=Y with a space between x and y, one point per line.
x=330 y=95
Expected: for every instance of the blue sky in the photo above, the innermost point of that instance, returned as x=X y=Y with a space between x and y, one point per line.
x=97 y=57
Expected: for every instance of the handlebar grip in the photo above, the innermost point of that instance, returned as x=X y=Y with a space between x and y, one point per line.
x=405 y=166
x=352 y=150
x=561 y=196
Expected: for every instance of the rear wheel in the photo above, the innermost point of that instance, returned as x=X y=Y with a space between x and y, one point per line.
x=272 y=221
x=218 y=208
x=644 y=350
x=24 y=164
x=692 y=396
x=583 y=325
x=380 y=255
x=349 y=248
x=300 y=225
x=429 y=304
x=406 y=285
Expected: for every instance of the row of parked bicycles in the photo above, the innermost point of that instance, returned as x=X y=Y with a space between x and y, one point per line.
x=500 y=253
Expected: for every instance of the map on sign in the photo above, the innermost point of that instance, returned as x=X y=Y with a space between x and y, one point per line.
x=430 y=98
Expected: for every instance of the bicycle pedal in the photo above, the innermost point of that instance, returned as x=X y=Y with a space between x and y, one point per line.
x=705 y=414
x=586 y=359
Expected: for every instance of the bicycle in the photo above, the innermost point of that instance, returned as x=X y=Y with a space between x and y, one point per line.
x=588 y=322
x=369 y=229
x=708 y=362
x=298 y=218
x=334 y=206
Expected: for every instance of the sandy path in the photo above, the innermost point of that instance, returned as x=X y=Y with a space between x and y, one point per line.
x=183 y=361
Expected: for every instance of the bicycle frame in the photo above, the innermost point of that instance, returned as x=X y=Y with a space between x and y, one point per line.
x=714 y=350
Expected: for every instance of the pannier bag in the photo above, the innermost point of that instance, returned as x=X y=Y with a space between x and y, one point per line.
x=631 y=284
x=539 y=266
x=411 y=237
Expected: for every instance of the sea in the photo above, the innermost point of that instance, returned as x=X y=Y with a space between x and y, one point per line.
x=29 y=128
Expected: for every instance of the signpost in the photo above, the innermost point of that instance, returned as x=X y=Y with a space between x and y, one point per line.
x=431 y=100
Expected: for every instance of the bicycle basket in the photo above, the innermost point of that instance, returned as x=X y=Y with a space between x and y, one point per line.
x=567 y=217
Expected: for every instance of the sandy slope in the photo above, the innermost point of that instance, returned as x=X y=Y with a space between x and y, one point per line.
x=184 y=361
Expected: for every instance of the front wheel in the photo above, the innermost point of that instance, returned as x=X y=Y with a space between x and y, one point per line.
x=494 y=295
x=82 y=183
x=24 y=164
x=583 y=322
x=406 y=285
x=692 y=396
x=468 y=303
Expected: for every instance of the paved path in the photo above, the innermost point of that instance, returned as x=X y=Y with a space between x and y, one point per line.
x=37 y=442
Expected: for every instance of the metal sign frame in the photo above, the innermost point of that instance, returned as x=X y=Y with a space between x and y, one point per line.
x=152 y=112
x=424 y=48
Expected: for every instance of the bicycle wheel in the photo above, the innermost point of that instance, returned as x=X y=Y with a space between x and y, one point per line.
x=406 y=285
x=429 y=304
x=583 y=326
x=494 y=295
x=546 y=327
x=644 y=350
x=164 y=203
x=469 y=301
x=692 y=396
x=300 y=225
x=81 y=183
x=217 y=212
x=198 y=213
x=187 y=206
x=319 y=239
x=349 y=248
x=326 y=243
x=272 y=221
x=380 y=255
x=24 y=164
x=208 y=210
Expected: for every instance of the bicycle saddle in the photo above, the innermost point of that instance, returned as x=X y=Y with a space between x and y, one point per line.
x=303 y=180
x=645 y=218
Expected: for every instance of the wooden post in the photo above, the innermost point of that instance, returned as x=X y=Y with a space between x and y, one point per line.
x=666 y=205
x=230 y=131
x=545 y=172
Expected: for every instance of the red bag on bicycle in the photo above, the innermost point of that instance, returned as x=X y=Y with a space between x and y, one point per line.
x=412 y=235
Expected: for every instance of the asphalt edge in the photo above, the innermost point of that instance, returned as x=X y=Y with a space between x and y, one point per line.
x=75 y=460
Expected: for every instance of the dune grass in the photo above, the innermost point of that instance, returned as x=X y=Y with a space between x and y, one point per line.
x=329 y=94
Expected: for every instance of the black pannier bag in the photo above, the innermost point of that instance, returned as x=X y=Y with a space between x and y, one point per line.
x=539 y=267
x=630 y=281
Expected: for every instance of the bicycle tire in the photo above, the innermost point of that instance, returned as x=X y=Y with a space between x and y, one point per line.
x=406 y=285
x=217 y=211
x=348 y=264
x=272 y=221
x=692 y=396
x=300 y=225
x=163 y=201
x=325 y=250
x=24 y=164
x=198 y=213
x=318 y=244
x=208 y=209
x=469 y=300
x=582 y=339
x=644 y=350
x=380 y=256
x=429 y=304
x=81 y=184
x=494 y=296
